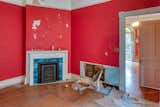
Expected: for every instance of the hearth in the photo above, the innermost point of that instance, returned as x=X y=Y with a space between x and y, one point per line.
x=48 y=72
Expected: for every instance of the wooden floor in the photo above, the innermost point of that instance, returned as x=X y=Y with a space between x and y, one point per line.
x=133 y=87
x=55 y=95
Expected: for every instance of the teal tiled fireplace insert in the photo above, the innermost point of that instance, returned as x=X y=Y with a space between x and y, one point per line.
x=45 y=60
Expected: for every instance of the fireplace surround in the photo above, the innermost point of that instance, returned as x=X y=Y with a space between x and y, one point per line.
x=46 y=67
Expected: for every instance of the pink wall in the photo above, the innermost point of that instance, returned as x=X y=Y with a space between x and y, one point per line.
x=137 y=44
x=55 y=29
x=12 y=41
x=95 y=30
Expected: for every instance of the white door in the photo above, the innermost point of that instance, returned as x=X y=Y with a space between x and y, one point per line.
x=150 y=54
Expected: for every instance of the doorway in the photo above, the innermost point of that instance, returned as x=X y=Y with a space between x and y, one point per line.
x=130 y=68
x=132 y=56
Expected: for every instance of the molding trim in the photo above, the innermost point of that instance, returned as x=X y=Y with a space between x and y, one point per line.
x=31 y=55
x=78 y=4
x=52 y=7
x=58 y=4
x=122 y=16
x=74 y=77
x=82 y=70
x=150 y=87
x=15 y=2
x=12 y=81
x=93 y=63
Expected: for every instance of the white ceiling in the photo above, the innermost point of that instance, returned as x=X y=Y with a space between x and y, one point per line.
x=60 y=4
x=75 y=4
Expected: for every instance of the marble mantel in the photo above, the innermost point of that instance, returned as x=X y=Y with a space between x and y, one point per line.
x=32 y=55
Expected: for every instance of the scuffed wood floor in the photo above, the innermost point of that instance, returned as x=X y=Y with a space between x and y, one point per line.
x=53 y=95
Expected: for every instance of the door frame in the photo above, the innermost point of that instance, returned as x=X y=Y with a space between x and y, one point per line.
x=122 y=16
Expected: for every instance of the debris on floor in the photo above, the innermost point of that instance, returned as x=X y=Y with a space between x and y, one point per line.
x=107 y=90
x=134 y=102
x=119 y=99
x=66 y=86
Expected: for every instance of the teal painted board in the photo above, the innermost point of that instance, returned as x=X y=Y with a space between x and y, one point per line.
x=112 y=75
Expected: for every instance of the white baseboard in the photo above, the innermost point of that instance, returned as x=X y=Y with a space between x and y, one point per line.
x=12 y=81
x=150 y=87
x=20 y=79
x=74 y=77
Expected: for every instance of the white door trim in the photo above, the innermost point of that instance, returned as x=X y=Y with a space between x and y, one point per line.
x=122 y=16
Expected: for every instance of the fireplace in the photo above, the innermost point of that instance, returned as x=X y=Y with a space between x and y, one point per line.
x=48 y=72
x=46 y=67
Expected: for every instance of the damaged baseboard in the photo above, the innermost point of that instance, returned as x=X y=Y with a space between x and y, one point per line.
x=74 y=77
x=12 y=81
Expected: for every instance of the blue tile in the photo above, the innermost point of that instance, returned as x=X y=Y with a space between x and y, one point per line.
x=35 y=68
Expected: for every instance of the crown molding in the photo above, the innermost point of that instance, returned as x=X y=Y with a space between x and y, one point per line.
x=58 y=4
x=78 y=4
x=59 y=8
x=15 y=2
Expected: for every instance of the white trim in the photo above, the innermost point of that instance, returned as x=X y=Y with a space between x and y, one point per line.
x=122 y=16
x=15 y=2
x=67 y=4
x=31 y=55
x=82 y=71
x=122 y=52
x=78 y=4
x=94 y=63
x=12 y=81
x=151 y=87
x=74 y=77
x=52 y=7
x=58 y=4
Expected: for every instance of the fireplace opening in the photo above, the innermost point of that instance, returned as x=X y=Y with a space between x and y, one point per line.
x=48 y=72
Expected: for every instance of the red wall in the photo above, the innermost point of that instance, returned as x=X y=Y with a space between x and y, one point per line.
x=95 y=30
x=52 y=30
x=12 y=41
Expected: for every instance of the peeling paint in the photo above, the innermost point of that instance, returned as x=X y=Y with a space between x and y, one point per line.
x=35 y=36
x=36 y=24
x=67 y=25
